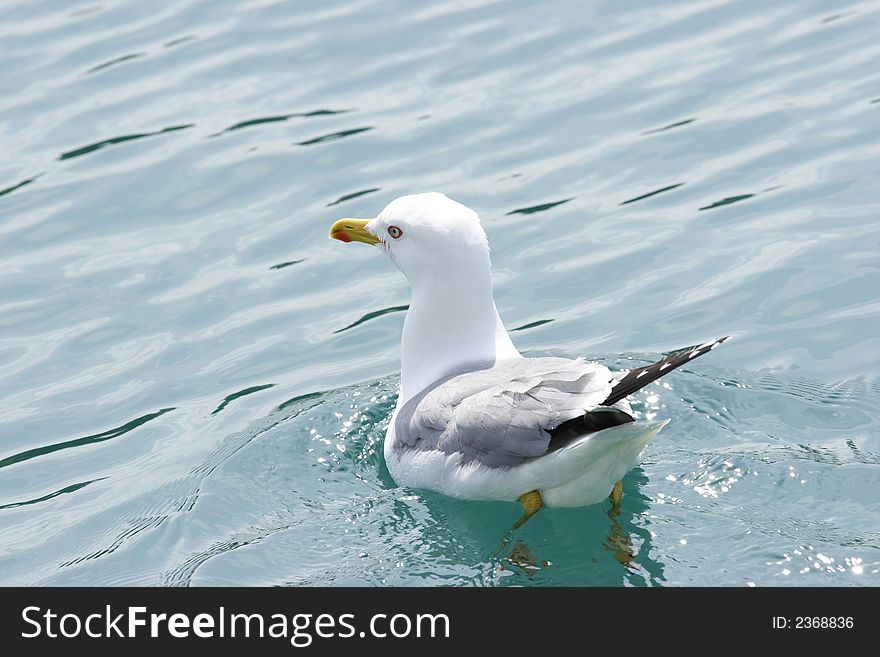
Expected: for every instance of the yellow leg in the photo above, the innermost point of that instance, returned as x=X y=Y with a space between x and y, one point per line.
x=531 y=504
x=616 y=494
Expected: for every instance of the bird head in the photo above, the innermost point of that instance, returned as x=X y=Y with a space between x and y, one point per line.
x=425 y=235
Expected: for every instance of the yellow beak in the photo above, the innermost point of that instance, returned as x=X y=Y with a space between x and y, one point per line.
x=352 y=230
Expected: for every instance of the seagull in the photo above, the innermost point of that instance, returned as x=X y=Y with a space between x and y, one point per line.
x=475 y=419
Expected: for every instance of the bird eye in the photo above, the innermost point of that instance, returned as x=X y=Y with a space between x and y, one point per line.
x=395 y=232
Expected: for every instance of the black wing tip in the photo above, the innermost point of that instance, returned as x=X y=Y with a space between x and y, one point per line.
x=637 y=379
x=710 y=345
x=703 y=346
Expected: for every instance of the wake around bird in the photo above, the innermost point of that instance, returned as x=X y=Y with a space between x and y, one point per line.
x=475 y=419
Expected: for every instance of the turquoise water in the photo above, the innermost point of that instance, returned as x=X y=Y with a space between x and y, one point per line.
x=195 y=380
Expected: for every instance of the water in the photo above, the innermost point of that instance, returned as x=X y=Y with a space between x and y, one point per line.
x=195 y=380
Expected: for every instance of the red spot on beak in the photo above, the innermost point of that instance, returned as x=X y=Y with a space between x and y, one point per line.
x=341 y=235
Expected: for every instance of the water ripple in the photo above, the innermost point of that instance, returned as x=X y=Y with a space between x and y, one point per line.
x=287 y=263
x=85 y=440
x=334 y=136
x=727 y=200
x=72 y=488
x=90 y=148
x=540 y=208
x=372 y=315
x=115 y=61
x=241 y=393
x=26 y=181
x=670 y=126
x=280 y=118
x=653 y=193
x=531 y=325
x=344 y=197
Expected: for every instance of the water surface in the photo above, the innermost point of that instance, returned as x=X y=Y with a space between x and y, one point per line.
x=195 y=380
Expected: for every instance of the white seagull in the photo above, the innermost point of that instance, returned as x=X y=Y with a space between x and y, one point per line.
x=475 y=419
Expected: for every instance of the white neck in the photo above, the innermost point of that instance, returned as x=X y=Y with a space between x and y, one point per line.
x=452 y=324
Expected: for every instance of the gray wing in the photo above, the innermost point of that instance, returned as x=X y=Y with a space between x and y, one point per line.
x=501 y=415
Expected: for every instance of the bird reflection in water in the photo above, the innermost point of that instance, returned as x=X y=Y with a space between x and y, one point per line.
x=522 y=559
x=619 y=542
x=640 y=568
